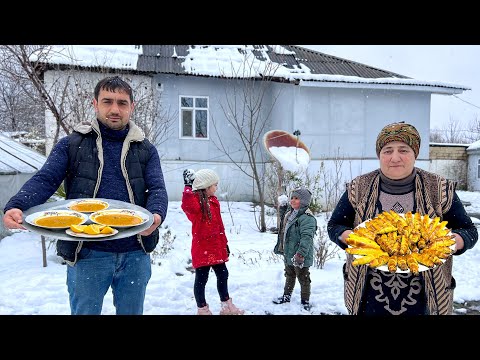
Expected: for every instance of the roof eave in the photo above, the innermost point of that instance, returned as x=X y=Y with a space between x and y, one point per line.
x=443 y=90
x=102 y=69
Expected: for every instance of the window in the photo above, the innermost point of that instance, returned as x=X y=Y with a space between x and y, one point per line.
x=193 y=117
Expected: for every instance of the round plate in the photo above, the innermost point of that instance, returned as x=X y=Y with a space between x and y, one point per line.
x=62 y=235
x=77 y=205
x=33 y=218
x=143 y=216
x=385 y=267
x=88 y=236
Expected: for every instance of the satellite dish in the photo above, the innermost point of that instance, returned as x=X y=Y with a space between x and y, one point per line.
x=276 y=141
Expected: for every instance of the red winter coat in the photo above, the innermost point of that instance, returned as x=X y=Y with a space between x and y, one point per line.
x=209 y=243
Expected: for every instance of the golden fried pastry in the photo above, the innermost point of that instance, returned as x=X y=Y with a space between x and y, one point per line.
x=401 y=242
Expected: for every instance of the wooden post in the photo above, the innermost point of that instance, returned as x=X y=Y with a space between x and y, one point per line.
x=279 y=192
x=44 y=251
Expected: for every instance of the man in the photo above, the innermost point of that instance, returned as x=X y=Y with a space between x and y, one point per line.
x=107 y=158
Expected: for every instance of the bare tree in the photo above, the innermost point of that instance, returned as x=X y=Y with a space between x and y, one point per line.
x=473 y=133
x=68 y=94
x=333 y=181
x=27 y=62
x=19 y=110
x=453 y=132
x=436 y=136
x=247 y=108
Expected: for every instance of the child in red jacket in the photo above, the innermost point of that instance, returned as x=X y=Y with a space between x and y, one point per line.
x=209 y=242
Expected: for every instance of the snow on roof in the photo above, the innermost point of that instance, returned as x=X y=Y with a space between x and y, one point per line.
x=17 y=158
x=227 y=60
x=448 y=144
x=219 y=60
x=114 y=56
x=474 y=146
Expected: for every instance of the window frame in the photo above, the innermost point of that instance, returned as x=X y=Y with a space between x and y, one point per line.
x=194 y=108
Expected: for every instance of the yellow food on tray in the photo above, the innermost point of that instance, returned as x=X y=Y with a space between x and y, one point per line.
x=88 y=206
x=78 y=228
x=401 y=242
x=92 y=229
x=106 y=230
x=58 y=221
x=118 y=219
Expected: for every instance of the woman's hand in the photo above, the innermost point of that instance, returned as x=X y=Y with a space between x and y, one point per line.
x=343 y=237
x=459 y=243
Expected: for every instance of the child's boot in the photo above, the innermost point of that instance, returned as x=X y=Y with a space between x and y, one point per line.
x=229 y=309
x=204 y=310
x=306 y=305
x=282 y=299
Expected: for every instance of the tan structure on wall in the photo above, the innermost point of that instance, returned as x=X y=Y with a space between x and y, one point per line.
x=448 y=152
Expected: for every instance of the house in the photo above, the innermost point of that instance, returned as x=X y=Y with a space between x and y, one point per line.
x=338 y=105
x=18 y=163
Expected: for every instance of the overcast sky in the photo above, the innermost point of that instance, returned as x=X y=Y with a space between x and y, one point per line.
x=458 y=64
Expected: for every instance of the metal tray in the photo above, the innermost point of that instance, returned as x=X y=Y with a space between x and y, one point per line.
x=62 y=235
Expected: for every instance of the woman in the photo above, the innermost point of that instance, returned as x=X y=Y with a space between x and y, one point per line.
x=399 y=186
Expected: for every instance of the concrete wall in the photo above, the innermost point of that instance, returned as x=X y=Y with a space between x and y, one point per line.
x=450 y=161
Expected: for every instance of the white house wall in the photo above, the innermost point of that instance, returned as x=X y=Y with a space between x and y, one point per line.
x=473 y=161
x=200 y=150
x=347 y=121
x=178 y=154
x=341 y=124
x=334 y=123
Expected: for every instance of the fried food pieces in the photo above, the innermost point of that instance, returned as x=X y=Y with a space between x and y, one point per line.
x=401 y=242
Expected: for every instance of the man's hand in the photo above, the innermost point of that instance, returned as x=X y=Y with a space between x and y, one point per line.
x=188 y=177
x=13 y=219
x=157 y=220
